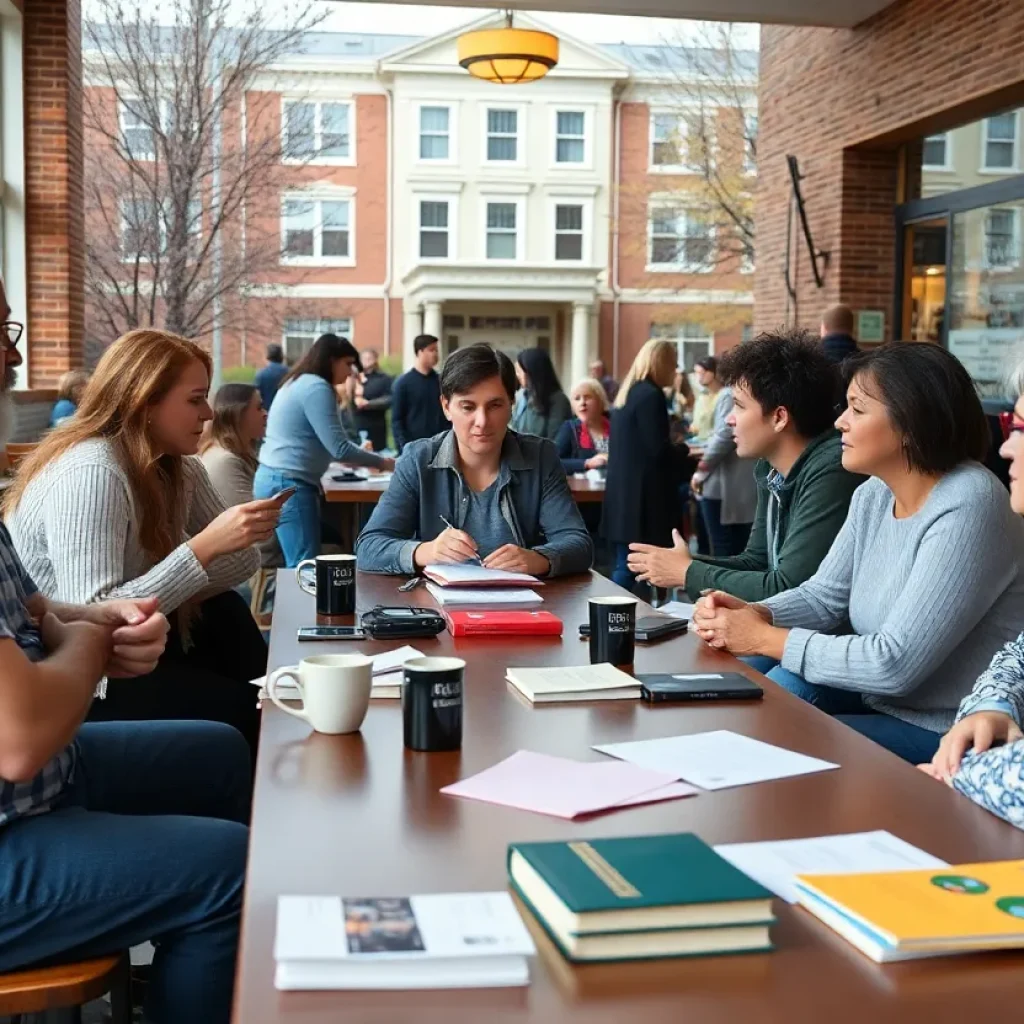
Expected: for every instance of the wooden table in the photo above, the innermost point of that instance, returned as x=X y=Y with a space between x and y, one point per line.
x=368 y=492
x=361 y=816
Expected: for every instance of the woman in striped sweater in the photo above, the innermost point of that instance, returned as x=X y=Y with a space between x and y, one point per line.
x=110 y=505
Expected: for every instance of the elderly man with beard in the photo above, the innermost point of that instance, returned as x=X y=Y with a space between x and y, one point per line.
x=111 y=833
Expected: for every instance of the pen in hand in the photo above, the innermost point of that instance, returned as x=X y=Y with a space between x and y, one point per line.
x=475 y=560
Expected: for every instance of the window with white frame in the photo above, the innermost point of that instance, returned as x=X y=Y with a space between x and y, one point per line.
x=299 y=335
x=318 y=132
x=675 y=141
x=570 y=137
x=750 y=143
x=679 y=240
x=569 y=231
x=502 y=136
x=146 y=225
x=435 y=133
x=1000 y=142
x=137 y=129
x=692 y=341
x=1002 y=238
x=434 y=228
x=502 y=231
x=315 y=228
x=935 y=152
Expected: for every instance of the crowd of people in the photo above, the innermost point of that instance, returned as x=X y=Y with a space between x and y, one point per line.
x=856 y=551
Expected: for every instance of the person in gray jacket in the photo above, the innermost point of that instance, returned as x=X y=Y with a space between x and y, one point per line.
x=726 y=485
x=479 y=491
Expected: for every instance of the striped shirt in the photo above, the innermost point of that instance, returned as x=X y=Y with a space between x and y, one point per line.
x=19 y=799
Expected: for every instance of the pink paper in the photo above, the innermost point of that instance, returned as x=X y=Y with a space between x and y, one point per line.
x=566 y=788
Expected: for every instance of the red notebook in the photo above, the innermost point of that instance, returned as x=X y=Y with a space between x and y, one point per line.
x=508 y=623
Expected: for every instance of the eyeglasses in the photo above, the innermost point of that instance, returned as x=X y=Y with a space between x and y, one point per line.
x=1010 y=425
x=10 y=333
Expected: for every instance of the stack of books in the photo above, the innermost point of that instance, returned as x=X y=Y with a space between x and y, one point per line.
x=640 y=898
x=906 y=915
x=458 y=940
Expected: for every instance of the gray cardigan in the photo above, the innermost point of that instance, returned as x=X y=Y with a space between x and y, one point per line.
x=730 y=479
x=930 y=598
x=76 y=530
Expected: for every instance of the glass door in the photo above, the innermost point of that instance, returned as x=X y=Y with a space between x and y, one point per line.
x=924 y=300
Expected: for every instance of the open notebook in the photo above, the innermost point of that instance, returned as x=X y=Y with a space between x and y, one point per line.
x=467 y=575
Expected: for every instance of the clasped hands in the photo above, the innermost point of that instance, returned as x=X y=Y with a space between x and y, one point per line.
x=729 y=624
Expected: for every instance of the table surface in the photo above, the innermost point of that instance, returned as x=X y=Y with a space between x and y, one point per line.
x=369 y=491
x=361 y=816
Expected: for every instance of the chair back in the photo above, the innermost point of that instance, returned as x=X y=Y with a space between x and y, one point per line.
x=17 y=453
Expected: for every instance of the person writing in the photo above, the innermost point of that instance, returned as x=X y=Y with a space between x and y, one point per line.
x=479 y=491
x=416 y=396
x=541 y=407
x=645 y=469
x=926 y=570
x=304 y=433
x=582 y=442
x=782 y=385
x=110 y=505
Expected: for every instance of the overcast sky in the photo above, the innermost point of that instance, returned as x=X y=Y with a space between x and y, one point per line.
x=426 y=20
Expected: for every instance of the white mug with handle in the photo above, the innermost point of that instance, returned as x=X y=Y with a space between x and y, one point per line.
x=335 y=690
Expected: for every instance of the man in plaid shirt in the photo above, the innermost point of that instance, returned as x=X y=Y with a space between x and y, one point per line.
x=111 y=833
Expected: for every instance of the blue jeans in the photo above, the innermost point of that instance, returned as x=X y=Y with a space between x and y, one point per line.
x=910 y=742
x=298 y=529
x=621 y=574
x=726 y=539
x=148 y=843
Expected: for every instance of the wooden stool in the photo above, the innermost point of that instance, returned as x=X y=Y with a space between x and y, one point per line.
x=68 y=986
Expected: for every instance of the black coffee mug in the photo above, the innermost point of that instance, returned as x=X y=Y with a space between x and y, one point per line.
x=335 y=587
x=432 y=703
x=612 y=625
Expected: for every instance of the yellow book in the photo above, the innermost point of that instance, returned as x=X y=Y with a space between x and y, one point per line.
x=900 y=915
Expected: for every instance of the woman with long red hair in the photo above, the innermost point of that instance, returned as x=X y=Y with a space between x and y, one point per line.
x=111 y=505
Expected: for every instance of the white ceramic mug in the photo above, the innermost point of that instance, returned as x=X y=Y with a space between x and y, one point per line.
x=335 y=690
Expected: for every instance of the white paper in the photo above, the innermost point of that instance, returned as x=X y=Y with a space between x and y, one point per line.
x=571 y=679
x=716 y=760
x=776 y=864
x=384 y=672
x=478 y=596
x=469 y=574
x=390 y=660
x=676 y=609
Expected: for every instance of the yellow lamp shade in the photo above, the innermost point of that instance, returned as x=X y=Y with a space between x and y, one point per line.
x=508 y=55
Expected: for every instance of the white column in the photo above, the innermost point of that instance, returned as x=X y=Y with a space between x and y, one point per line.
x=410 y=329
x=432 y=320
x=579 y=353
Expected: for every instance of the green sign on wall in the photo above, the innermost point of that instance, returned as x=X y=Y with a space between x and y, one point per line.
x=870 y=326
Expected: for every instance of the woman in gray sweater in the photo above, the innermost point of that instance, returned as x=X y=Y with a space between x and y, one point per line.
x=923 y=583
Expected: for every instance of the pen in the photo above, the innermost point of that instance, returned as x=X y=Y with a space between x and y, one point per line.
x=475 y=560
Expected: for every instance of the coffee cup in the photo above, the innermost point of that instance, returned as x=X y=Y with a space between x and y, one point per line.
x=334 y=583
x=432 y=703
x=612 y=627
x=335 y=690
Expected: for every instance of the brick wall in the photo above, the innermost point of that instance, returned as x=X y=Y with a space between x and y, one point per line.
x=53 y=173
x=843 y=102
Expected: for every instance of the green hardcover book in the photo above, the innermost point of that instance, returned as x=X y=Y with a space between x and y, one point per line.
x=640 y=897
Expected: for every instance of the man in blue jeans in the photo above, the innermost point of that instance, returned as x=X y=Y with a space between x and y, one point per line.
x=111 y=833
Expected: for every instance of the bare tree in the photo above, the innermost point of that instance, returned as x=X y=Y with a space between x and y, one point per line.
x=178 y=160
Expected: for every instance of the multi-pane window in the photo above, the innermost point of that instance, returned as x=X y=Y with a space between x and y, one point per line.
x=299 y=335
x=503 y=136
x=137 y=129
x=692 y=341
x=679 y=240
x=317 y=131
x=569 y=232
x=1001 y=241
x=675 y=142
x=501 y=231
x=434 y=229
x=146 y=226
x=1001 y=142
x=750 y=143
x=317 y=228
x=570 y=126
x=435 y=132
x=934 y=151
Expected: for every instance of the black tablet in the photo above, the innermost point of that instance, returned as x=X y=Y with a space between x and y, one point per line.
x=693 y=686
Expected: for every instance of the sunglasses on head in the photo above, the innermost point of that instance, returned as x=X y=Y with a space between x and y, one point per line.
x=1011 y=424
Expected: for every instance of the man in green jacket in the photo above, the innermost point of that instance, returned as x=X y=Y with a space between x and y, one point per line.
x=784 y=391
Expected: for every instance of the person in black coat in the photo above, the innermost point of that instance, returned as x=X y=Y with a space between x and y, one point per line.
x=641 y=502
x=837 y=334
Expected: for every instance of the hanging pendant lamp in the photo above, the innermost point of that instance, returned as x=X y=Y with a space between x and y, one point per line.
x=508 y=55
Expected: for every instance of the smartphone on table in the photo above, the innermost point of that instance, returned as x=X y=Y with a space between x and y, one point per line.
x=332 y=633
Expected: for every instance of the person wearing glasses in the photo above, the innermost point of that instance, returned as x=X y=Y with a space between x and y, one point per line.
x=924 y=582
x=982 y=756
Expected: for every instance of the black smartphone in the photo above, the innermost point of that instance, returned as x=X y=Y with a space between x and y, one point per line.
x=332 y=633
x=282 y=496
x=649 y=628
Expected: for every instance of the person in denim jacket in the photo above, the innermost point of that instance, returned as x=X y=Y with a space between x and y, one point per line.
x=479 y=491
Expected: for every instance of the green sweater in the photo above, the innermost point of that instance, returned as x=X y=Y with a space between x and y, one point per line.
x=811 y=507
